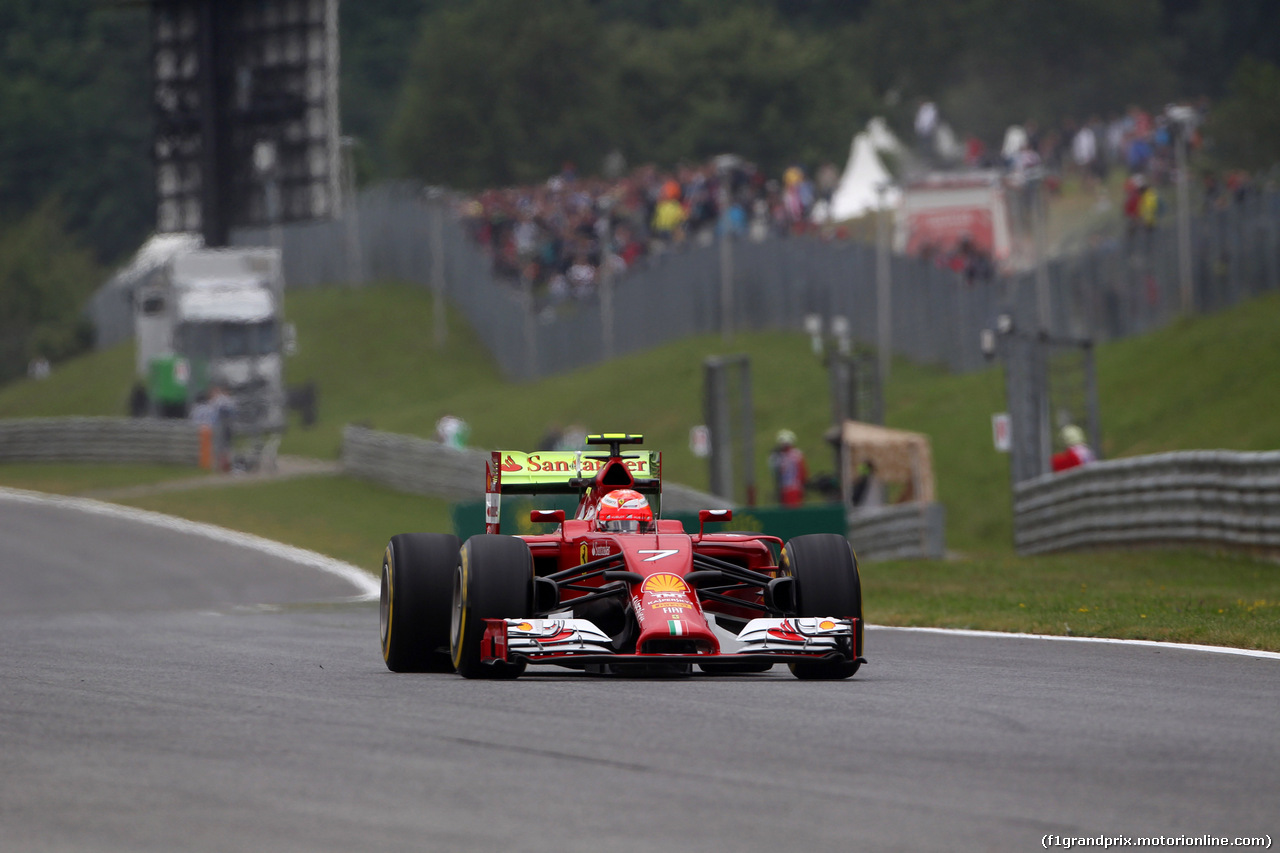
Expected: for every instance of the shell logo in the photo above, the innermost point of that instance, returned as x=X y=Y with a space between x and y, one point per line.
x=524 y=626
x=826 y=625
x=664 y=582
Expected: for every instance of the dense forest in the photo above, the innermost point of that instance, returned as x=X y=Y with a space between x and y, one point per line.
x=473 y=93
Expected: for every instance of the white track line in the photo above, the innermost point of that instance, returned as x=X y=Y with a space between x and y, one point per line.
x=369 y=587
x=1190 y=647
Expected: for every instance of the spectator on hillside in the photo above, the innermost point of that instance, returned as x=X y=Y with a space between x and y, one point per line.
x=1134 y=188
x=973 y=264
x=789 y=470
x=452 y=431
x=926 y=127
x=1084 y=154
x=1015 y=140
x=1076 y=450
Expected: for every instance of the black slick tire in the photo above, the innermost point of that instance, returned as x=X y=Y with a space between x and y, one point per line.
x=827 y=584
x=417 y=601
x=494 y=580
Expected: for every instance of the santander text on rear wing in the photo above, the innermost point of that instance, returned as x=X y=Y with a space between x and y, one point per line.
x=570 y=471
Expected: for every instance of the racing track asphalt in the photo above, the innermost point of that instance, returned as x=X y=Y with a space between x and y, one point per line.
x=162 y=691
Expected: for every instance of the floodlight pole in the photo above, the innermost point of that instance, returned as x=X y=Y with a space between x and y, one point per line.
x=214 y=224
x=606 y=295
x=355 y=257
x=726 y=284
x=435 y=202
x=884 y=308
x=1039 y=227
x=1184 y=219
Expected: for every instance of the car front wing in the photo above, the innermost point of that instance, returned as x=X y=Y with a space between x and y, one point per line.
x=579 y=642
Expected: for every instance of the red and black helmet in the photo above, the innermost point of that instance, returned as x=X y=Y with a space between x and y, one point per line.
x=624 y=511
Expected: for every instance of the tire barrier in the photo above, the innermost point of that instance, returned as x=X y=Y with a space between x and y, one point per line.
x=411 y=464
x=1210 y=497
x=915 y=531
x=102 y=439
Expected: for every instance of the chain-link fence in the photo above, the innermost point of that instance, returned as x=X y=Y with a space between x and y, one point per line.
x=395 y=234
x=1116 y=286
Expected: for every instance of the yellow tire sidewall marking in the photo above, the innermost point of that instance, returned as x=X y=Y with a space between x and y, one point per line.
x=389 y=568
x=461 y=637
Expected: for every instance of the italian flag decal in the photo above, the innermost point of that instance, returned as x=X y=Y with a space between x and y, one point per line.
x=676 y=627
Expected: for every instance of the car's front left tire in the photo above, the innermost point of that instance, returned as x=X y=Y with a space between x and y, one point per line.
x=827 y=584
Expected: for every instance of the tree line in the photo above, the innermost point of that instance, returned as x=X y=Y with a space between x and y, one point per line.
x=475 y=93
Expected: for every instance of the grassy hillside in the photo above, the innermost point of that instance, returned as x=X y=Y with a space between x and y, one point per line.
x=1199 y=384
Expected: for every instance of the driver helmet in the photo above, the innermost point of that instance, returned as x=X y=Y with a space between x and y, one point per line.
x=1072 y=435
x=624 y=511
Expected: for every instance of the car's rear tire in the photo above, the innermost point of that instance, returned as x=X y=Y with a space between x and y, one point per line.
x=827 y=584
x=417 y=600
x=494 y=580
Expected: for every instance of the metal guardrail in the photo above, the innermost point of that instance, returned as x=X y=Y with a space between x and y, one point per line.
x=1214 y=497
x=907 y=532
x=411 y=464
x=99 y=440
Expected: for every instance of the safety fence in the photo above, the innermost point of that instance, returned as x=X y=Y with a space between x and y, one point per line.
x=126 y=440
x=1211 y=497
x=1112 y=285
x=913 y=531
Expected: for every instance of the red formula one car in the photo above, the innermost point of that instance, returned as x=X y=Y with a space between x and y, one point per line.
x=614 y=589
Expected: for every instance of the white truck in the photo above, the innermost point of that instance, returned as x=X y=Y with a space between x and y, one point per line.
x=212 y=319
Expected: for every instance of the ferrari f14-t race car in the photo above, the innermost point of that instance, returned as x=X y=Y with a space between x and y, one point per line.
x=615 y=589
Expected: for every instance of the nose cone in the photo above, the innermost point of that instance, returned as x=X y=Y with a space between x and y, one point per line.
x=671 y=620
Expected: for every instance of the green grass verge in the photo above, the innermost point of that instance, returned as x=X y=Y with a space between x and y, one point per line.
x=70 y=479
x=345 y=518
x=1174 y=596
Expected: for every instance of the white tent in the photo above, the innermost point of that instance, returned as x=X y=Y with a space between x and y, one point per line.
x=860 y=186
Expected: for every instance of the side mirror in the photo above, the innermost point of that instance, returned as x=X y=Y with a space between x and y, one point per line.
x=705 y=515
x=548 y=516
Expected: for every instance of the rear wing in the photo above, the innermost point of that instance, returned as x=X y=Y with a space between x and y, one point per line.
x=560 y=472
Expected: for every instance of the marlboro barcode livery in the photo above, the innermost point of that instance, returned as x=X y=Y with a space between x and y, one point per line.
x=617 y=588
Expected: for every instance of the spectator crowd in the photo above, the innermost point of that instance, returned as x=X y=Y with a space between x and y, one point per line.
x=561 y=238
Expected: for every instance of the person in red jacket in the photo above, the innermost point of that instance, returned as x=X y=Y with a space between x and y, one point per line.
x=789 y=471
x=1077 y=450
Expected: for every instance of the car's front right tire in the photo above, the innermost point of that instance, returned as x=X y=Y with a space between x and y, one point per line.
x=416 y=601
x=494 y=580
